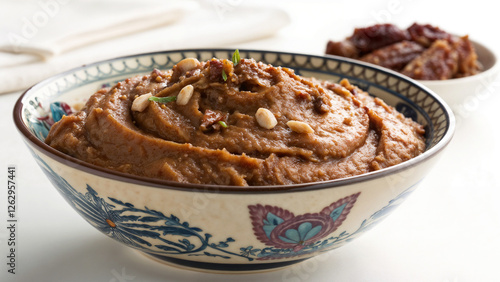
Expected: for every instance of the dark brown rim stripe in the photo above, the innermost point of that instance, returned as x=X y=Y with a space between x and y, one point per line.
x=165 y=184
x=225 y=267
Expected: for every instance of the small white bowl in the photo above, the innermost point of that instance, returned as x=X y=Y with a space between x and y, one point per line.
x=458 y=91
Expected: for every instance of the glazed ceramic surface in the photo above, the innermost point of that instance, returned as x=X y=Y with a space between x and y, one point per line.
x=227 y=228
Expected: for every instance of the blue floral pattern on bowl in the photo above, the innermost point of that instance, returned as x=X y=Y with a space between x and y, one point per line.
x=287 y=235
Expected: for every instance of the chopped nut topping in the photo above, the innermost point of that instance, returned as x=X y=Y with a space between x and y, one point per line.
x=141 y=103
x=78 y=106
x=320 y=106
x=299 y=126
x=210 y=120
x=265 y=118
x=184 y=95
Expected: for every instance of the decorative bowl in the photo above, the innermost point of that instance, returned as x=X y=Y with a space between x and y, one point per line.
x=459 y=91
x=227 y=228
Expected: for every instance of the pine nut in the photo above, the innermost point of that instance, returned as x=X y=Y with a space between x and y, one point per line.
x=299 y=126
x=184 y=95
x=265 y=118
x=78 y=106
x=141 y=103
x=188 y=64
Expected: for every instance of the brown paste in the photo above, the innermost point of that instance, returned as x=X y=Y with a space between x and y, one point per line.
x=314 y=131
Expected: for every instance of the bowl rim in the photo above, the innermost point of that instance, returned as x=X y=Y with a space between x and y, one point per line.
x=212 y=188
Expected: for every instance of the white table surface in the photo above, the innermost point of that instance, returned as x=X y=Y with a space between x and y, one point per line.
x=447 y=230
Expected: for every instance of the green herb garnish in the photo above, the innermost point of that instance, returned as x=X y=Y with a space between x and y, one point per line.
x=223 y=124
x=163 y=99
x=236 y=57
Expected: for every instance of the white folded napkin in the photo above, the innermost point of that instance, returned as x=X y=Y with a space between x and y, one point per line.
x=51 y=27
x=208 y=25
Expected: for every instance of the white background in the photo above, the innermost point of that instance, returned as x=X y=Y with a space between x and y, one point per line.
x=447 y=230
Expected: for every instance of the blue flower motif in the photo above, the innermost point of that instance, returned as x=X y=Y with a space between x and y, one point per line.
x=59 y=109
x=304 y=232
x=271 y=222
x=336 y=213
x=38 y=128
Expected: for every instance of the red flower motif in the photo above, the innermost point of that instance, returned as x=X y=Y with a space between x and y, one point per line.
x=279 y=228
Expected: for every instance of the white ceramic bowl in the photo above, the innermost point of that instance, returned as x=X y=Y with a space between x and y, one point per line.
x=458 y=91
x=227 y=228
